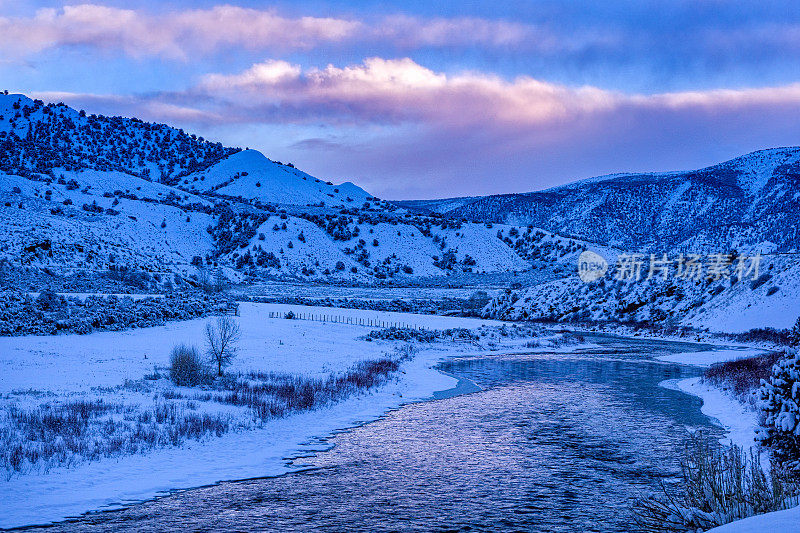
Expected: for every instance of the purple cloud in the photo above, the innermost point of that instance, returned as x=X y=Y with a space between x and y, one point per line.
x=188 y=33
x=474 y=133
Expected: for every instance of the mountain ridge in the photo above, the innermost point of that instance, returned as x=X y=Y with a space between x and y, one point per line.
x=743 y=202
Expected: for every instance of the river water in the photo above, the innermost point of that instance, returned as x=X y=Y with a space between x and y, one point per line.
x=551 y=442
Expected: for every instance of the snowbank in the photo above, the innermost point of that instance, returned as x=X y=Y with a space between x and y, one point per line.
x=71 y=364
x=738 y=420
x=787 y=521
x=711 y=357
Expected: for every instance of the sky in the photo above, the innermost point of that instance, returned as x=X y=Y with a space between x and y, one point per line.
x=421 y=99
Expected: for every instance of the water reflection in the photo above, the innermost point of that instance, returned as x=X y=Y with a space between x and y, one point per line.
x=553 y=443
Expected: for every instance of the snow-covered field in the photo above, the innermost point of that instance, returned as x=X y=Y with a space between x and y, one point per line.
x=37 y=370
x=111 y=366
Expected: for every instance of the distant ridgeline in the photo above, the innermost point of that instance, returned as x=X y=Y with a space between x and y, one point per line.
x=750 y=201
x=36 y=138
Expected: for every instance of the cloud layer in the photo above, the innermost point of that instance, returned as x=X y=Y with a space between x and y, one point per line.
x=483 y=98
x=470 y=127
x=389 y=91
x=650 y=34
x=187 y=33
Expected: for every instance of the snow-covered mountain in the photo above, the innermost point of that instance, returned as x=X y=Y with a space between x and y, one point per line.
x=753 y=200
x=44 y=139
x=251 y=175
x=87 y=192
x=38 y=138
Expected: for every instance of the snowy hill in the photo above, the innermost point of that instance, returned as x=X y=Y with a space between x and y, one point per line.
x=730 y=305
x=81 y=192
x=104 y=221
x=249 y=174
x=36 y=138
x=436 y=206
x=751 y=200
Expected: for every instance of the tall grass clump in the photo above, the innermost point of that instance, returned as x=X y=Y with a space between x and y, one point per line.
x=718 y=485
x=186 y=368
x=272 y=395
x=65 y=434
x=742 y=376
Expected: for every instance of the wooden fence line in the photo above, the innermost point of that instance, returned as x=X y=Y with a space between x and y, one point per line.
x=344 y=319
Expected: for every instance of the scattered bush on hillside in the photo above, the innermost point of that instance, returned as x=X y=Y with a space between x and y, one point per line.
x=60 y=138
x=762 y=279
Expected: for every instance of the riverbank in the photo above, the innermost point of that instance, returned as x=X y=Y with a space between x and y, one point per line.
x=110 y=368
x=739 y=420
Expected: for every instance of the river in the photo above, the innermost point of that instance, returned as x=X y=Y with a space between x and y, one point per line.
x=553 y=442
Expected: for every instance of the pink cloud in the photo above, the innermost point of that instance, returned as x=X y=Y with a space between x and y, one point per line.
x=398 y=90
x=476 y=133
x=407 y=130
x=183 y=34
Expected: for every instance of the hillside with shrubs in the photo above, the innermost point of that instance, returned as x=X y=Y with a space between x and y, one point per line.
x=85 y=196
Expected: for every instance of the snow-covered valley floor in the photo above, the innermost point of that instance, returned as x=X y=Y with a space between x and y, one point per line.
x=110 y=366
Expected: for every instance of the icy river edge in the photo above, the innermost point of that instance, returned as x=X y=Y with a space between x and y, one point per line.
x=112 y=483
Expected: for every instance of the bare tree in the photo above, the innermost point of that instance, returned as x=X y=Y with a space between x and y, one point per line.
x=203 y=279
x=221 y=340
x=219 y=280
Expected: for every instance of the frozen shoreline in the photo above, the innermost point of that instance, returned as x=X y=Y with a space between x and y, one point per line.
x=739 y=421
x=70 y=365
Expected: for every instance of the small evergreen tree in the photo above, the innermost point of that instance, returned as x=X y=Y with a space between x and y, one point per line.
x=780 y=403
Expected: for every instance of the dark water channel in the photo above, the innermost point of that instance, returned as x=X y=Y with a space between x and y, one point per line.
x=552 y=442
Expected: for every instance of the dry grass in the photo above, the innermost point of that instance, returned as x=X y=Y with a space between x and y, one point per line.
x=742 y=376
x=718 y=485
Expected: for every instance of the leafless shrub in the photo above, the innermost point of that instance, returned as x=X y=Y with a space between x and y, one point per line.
x=717 y=485
x=186 y=368
x=742 y=375
x=273 y=395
